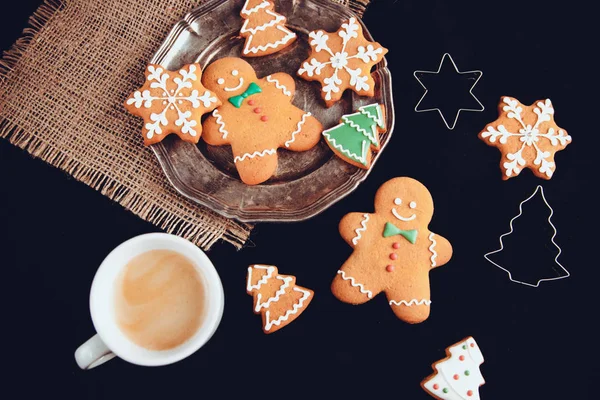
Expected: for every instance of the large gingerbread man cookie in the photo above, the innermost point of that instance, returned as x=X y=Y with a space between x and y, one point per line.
x=393 y=251
x=257 y=117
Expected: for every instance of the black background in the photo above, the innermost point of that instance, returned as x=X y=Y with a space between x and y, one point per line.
x=538 y=342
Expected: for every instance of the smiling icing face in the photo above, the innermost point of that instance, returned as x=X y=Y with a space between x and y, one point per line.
x=228 y=77
x=405 y=202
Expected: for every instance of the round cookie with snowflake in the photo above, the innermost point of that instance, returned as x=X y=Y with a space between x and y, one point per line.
x=342 y=60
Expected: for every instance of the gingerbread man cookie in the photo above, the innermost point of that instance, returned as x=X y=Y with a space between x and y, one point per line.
x=527 y=137
x=342 y=60
x=393 y=251
x=257 y=117
x=172 y=102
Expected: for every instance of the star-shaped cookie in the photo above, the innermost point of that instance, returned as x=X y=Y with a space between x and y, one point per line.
x=172 y=102
x=527 y=137
x=342 y=60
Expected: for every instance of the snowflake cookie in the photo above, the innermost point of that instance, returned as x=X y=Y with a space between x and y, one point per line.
x=527 y=136
x=263 y=29
x=342 y=60
x=276 y=297
x=172 y=102
x=394 y=250
x=457 y=377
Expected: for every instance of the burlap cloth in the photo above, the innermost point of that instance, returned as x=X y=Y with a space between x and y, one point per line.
x=62 y=86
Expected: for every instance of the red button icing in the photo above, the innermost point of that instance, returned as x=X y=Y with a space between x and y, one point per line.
x=389 y=268
x=250 y=102
x=396 y=245
x=393 y=256
x=264 y=118
x=257 y=110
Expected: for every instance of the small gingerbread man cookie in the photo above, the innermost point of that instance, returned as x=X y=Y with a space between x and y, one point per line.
x=393 y=251
x=257 y=117
x=342 y=60
x=172 y=102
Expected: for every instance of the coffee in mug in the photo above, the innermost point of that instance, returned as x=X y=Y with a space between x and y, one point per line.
x=159 y=300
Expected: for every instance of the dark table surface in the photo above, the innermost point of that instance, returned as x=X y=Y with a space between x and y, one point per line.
x=538 y=343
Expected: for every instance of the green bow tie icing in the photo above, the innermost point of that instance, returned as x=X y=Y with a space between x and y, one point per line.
x=253 y=88
x=392 y=230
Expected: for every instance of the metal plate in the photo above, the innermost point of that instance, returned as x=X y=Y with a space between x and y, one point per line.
x=305 y=183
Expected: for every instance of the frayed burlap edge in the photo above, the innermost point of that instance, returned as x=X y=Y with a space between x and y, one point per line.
x=233 y=233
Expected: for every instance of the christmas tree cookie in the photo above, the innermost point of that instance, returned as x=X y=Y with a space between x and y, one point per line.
x=264 y=29
x=357 y=135
x=457 y=377
x=276 y=297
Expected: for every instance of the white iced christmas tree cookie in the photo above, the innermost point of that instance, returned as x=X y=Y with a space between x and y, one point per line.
x=264 y=29
x=457 y=376
x=276 y=297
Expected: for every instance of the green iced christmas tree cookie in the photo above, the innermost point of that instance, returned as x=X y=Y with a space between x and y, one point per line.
x=357 y=135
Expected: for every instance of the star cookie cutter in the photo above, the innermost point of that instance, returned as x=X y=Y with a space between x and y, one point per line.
x=476 y=72
x=540 y=189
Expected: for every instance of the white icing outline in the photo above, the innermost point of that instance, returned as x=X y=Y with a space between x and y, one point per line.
x=298 y=129
x=278 y=18
x=280 y=86
x=254 y=9
x=353 y=283
x=289 y=36
x=263 y=280
x=278 y=293
x=255 y=154
x=362 y=159
x=411 y=303
x=432 y=249
x=269 y=324
x=486 y=256
x=221 y=123
x=401 y=218
x=358 y=230
x=233 y=89
x=480 y=73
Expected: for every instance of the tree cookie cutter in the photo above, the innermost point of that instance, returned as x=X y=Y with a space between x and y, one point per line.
x=478 y=73
x=540 y=189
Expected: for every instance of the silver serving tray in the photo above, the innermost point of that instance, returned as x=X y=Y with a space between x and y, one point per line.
x=305 y=183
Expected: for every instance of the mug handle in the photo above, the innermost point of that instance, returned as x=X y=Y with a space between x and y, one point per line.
x=93 y=353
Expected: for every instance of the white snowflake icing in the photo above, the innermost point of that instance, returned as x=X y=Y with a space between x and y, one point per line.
x=171 y=99
x=339 y=60
x=529 y=136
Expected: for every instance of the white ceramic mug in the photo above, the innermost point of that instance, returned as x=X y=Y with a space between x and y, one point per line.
x=110 y=342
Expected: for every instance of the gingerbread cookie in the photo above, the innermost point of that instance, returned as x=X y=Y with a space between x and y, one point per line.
x=393 y=251
x=256 y=118
x=457 y=376
x=264 y=29
x=342 y=60
x=357 y=135
x=527 y=137
x=276 y=297
x=172 y=102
